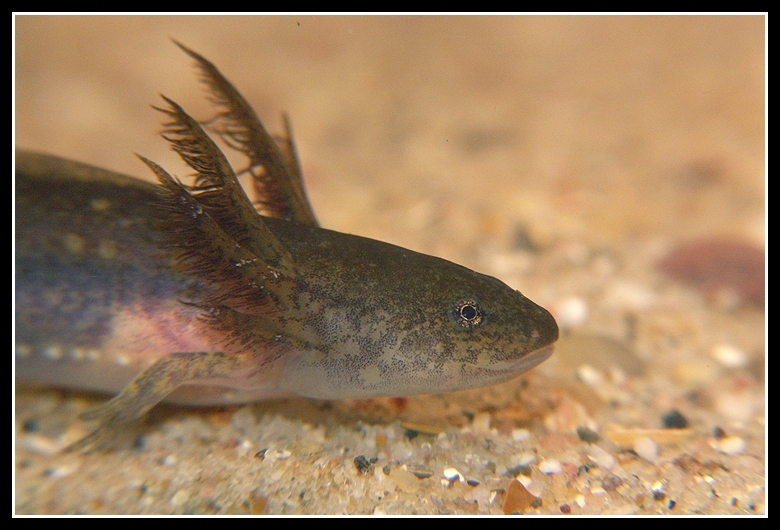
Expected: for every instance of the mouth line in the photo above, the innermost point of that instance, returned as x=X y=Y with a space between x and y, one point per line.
x=526 y=362
x=537 y=357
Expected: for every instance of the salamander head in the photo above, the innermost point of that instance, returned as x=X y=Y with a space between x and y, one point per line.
x=401 y=323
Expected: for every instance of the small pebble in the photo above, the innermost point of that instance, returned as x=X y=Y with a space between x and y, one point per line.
x=731 y=445
x=452 y=474
x=571 y=312
x=587 y=435
x=517 y=498
x=411 y=433
x=520 y=435
x=674 y=420
x=590 y=376
x=362 y=464
x=179 y=498
x=729 y=356
x=646 y=448
x=31 y=426
x=550 y=467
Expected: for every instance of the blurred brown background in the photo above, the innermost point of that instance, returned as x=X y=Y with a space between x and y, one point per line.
x=399 y=118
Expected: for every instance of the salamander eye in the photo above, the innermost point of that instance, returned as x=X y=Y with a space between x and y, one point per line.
x=468 y=313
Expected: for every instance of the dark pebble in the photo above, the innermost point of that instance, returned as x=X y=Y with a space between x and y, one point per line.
x=31 y=426
x=362 y=464
x=674 y=420
x=586 y=435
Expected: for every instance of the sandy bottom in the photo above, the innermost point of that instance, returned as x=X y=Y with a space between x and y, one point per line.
x=606 y=167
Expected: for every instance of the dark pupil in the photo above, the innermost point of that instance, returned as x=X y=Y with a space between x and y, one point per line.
x=468 y=312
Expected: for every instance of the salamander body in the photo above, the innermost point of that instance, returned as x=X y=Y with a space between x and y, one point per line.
x=193 y=293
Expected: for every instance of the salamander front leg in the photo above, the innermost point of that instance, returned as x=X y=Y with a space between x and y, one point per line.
x=152 y=386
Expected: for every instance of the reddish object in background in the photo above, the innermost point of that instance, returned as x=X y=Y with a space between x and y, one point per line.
x=718 y=265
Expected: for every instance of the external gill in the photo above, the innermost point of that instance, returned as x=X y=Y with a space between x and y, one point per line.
x=217 y=189
x=250 y=277
x=276 y=175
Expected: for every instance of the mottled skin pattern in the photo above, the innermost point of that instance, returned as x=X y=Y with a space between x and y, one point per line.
x=153 y=290
x=367 y=318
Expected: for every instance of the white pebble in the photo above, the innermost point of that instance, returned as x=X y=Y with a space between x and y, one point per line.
x=452 y=474
x=526 y=481
x=493 y=496
x=550 y=467
x=731 y=445
x=580 y=500
x=646 y=448
x=571 y=312
x=729 y=356
x=520 y=435
x=601 y=457
x=590 y=376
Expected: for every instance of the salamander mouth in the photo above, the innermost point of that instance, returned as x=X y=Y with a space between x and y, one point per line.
x=498 y=372
x=514 y=367
x=533 y=358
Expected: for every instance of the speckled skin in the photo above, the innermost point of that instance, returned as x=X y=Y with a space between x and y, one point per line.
x=185 y=292
x=99 y=299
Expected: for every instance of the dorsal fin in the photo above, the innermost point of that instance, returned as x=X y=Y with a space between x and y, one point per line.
x=223 y=241
x=273 y=164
